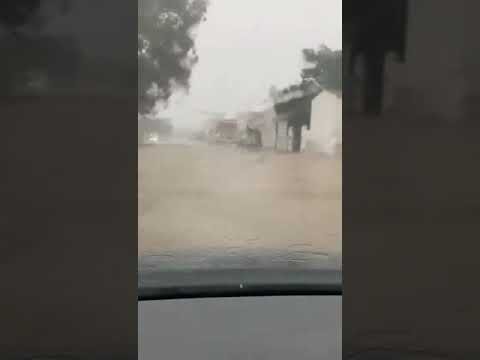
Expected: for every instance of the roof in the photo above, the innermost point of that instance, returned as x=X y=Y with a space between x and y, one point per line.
x=309 y=88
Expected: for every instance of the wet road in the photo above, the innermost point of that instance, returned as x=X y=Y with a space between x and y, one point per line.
x=220 y=198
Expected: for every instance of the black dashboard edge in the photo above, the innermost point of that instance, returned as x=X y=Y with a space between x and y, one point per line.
x=165 y=285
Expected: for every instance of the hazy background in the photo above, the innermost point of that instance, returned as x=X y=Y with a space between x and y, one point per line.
x=247 y=46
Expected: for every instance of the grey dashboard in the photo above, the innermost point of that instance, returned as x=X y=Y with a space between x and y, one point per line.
x=265 y=327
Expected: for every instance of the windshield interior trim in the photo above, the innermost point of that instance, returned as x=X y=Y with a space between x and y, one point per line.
x=238 y=283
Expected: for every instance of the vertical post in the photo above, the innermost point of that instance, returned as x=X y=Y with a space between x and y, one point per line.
x=287 y=138
x=276 y=134
x=297 y=138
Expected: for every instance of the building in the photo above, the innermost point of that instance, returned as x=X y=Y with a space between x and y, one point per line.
x=325 y=134
x=293 y=107
x=222 y=129
x=258 y=125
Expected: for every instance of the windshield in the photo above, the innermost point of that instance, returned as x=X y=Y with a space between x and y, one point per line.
x=240 y=138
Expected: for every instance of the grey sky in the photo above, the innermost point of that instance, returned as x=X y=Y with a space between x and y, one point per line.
x=246 y=46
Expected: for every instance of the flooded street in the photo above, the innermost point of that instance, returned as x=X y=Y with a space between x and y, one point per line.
x=198 y=196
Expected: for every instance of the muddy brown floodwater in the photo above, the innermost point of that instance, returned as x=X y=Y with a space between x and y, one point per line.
x=220 y=197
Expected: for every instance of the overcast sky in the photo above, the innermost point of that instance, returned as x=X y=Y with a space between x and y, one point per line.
x=246 y=46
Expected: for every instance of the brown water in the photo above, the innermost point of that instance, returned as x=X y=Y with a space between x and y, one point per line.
x=220 y=197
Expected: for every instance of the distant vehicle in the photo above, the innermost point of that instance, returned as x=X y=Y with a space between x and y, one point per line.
x=252 y=138
x=224 y=131
x=151 y=139
x=151 y=128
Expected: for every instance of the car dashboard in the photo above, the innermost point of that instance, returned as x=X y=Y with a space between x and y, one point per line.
x=263 y=327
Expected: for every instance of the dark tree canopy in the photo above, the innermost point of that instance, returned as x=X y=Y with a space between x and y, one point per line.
x=326 y=67
x=33 y=58
x=166 y=49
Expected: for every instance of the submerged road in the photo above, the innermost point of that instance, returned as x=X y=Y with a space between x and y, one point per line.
x=221 y=198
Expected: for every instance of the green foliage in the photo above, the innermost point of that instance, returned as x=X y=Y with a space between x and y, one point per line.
x=166 y=49
x=325 y=67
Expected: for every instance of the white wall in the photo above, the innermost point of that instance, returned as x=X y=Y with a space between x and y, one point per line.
x=326 y=124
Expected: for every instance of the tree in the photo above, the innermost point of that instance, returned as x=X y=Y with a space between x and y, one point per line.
x=166 y=49
x=325 y=67
x=33 y=57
